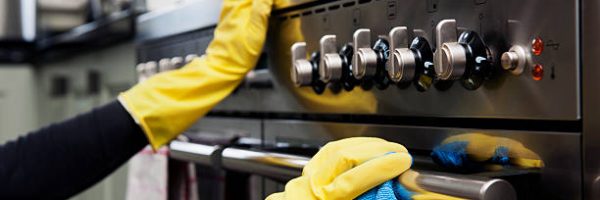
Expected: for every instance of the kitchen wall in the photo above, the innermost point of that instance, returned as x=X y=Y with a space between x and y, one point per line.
x=18 y=106
x=115 y=67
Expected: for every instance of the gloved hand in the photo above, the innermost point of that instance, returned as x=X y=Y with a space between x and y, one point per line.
x=168 y=103
x=466 y=151
x=346 y=168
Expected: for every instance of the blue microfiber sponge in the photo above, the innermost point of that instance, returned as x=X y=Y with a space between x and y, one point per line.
x=453 y=154
x=389 y=190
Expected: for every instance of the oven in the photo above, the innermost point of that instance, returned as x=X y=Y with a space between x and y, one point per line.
x=414 y=72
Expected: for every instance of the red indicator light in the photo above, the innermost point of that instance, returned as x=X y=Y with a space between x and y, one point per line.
x=537 y=72
x=537 y=46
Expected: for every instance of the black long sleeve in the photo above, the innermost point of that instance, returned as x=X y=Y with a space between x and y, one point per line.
x=64 y=159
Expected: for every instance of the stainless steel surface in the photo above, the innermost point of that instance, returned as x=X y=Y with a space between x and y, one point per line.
x=591 y=97
x=515 y=60
x=560 y=178
x=219 y=126
x=505 y=96
x=401 y=64
x=364 y=63
x=330 y=67
x=201 y=154
x=301 y=72
x=467 y=187
x=18 y=20
x=287 y=114
x=170 y=21
x=273 y=165
x=285 y=167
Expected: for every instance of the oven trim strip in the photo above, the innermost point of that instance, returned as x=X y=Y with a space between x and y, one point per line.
x=574 y=126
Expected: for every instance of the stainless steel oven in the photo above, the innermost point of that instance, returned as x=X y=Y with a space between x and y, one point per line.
x=411 y=71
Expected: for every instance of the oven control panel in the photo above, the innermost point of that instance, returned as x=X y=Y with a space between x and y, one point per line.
x=505 y=59
x=493 y=59
x=399 y=57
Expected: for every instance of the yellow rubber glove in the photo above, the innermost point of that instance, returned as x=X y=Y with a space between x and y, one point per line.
x=456 y=151
x=168 y=103
x=346 y=168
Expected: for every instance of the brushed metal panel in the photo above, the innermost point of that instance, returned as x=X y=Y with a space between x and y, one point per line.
x=500 y=22
x=220 y=125
x=560 y=151
x=171 y=21
x=591 y=98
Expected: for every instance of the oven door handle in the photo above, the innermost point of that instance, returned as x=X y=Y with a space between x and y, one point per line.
x=284 y=167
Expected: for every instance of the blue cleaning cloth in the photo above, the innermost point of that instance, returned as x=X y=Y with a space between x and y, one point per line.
x=455 y=155
x=389 y=190
x=501 y=156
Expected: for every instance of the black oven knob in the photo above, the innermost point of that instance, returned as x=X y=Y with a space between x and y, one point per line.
x=348 y=81
x=424 y=70
x=478 y=65
x=317 y=85
x=382 y=49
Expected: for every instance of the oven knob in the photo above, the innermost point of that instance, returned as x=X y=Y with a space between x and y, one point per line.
x=165 y=65
x=141 y=71
x=348 y=81
x=364 y=63
x=424 y=73
x=140 y=68
x=151 y=69
x=450 y=57
x=401 y=64
x=177 y=62
x=479 y=60
x=302 y=69
x=382 y=50
x=190 y=57
x=330 y=66
x=514 y=60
